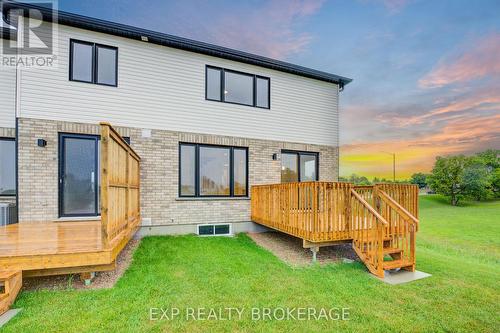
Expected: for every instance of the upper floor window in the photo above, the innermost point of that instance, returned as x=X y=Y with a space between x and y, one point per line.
x=93 y=63
x=229 y=86
x=7 y=166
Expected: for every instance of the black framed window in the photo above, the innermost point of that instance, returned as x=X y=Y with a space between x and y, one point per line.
x=299 y=166
x=212 y=171
x=93 y=63
x=225 y=85
x=7 y=167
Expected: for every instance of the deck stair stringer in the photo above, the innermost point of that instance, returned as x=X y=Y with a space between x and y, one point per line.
x=384 y=235
x=10 y=286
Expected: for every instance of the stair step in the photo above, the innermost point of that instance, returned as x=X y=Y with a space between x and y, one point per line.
x=396 y=264
x=5 y=275
x=392 y=250
x=12 y=282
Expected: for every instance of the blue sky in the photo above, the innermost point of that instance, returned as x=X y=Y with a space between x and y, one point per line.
x=426 y=73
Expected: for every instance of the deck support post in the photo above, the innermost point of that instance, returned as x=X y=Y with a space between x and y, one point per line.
x=87 y=277
x=315 y=251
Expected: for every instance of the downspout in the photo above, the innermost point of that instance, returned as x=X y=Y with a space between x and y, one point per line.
x=338 y=129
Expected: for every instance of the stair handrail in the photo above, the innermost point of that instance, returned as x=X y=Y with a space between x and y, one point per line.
x=405 y=239
x=370 y=208
x=401 y=210
x=371 y=254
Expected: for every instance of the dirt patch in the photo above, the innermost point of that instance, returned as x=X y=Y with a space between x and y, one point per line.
x=290 y=250
x=72 y=281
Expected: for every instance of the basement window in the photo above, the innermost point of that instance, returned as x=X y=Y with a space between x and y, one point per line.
x=214 y=230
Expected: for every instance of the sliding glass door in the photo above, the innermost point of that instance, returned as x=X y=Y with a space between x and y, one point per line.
x=78 y=175
x=298 y=166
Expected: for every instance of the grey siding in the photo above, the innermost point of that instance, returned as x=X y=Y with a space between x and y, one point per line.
x=164 y=88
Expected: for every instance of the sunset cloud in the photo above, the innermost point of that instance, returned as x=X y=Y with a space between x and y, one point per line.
x=462 y=135
x=477 y=59
x=268 y=30
x=474 y=101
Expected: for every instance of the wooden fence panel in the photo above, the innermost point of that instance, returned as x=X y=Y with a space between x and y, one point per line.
x=120 y=185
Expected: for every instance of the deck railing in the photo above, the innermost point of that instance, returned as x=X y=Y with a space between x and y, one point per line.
x=120 y=185
x=321 y=211
x=314 y=211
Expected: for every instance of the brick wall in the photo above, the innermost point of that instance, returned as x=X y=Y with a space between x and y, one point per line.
x=38 y=172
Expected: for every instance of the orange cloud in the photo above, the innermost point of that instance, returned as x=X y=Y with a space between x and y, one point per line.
x=461 y=135
x=477 y=60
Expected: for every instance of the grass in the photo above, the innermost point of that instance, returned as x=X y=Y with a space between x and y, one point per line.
x=459 y=246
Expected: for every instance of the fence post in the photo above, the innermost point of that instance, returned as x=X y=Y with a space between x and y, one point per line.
x=105 y=134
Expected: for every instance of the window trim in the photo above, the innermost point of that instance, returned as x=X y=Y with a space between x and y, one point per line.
x=299 y=153
x=15 y=172
x=95 y=62
x=223 y=87
x=197 y=171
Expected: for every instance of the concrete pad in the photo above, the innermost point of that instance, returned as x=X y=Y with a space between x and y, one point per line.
x=402 y=276
x=4 y=319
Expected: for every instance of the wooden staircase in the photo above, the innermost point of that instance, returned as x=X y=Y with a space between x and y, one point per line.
x=10 y=285
x=383 y=232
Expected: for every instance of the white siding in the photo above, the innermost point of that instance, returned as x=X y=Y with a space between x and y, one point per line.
x=164 y=88
x=7 y=97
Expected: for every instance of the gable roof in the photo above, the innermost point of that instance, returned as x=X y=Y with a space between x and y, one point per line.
x=122 y=30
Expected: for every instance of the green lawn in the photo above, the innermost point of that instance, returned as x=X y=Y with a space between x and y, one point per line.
x=459 y=246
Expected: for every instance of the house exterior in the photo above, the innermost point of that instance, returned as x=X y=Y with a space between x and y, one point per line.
x=208 y=122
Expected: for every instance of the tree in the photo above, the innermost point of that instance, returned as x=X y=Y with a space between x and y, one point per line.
x=419 y=179
x=477 y=181
x=448 y=175
x=491 y=160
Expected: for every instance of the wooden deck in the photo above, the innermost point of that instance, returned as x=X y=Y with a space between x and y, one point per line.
x=379 y=220
x=53 y=248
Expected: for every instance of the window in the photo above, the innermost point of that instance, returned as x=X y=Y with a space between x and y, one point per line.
x=262 y=92
x=214 y=80
x=238 y=88
x=299 y=166
x=212 y=171
x=93 y=63
x=214 y=229
x=224 y=85
x=7 y=167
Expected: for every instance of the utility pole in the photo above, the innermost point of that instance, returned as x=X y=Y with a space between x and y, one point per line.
x=393 y=165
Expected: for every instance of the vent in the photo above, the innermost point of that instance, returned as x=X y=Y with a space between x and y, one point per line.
x=214 y=229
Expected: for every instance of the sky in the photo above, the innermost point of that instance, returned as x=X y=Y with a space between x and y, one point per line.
x=426 y=74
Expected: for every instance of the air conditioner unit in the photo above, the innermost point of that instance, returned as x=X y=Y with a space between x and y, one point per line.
x=8 y=213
